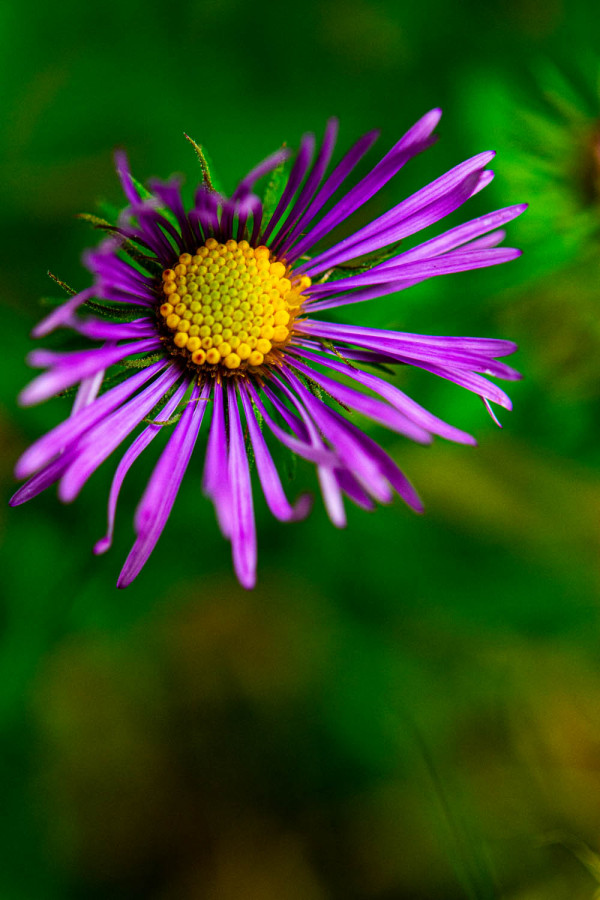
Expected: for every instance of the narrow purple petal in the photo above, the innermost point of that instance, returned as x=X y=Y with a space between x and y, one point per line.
x=243 y=531
x=358 y=334
x=42 y=480
x=124 y=173
x=456 y=261
x=367 y=406
x=460 y=235
x=471 y=382
x=301 y=164
x=404 y=404
x=105 y=263
x=493 y=415
x=312 y=450
x=298 y=214
x=95 y=446
x=268 y=475
x=337 y=177
x=359 y=296
x=387 y=466
x=347 y=448
x=107 y=291
x=156 y=504
x=350 y=486
x=61 y=316
x=67 y=432
x=329 y=482
x=104 y=330
x=450 y=357
x=249 y=206
x=206 y=209
x=422 y=209
x=69 y=368
x=130 y=456
x=263 y=168
x=169 y=193
x=215 y=480
x=488 y=240
x=415 y=141
x=87 y=391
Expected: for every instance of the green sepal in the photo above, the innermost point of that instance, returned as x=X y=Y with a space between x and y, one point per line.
x=331 y=348
x=142 y=363
x=257 y=415
x=274 y=190
x=126 y=245
x=114 y=313
x=164 y=423
x=143 y=191
x=365 y=265
x=249 y=451
x=210 y=181
x=70 y=291
x=320 y=392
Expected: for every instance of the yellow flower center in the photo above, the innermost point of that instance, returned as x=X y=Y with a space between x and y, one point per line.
x=230 y=305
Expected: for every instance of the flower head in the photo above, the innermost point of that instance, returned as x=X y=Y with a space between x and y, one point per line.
x=210 y=316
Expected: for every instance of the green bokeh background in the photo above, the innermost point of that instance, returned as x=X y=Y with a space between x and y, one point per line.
x=409 y=708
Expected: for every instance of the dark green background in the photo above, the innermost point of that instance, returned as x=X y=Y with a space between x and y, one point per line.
x=409 y=708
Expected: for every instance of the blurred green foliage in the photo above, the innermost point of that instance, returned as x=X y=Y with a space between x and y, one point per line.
x=405 y=709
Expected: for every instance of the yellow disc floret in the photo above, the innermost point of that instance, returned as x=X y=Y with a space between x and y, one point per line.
x=230 y=306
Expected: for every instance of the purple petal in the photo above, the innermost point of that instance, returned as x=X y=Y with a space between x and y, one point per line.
x=328 y=472
x=95 y=446
x=358 y=296
x=347 y=448
x=332 y=495
x=105 y=263
x=400 y=401
x=87 y=391
x=461 y=235
x=415 y=141
x=169 y=193
x=350 y=486
x=263 y=168
x=312 y=450
x=124 y=173
x=457 y=261
x=312 y=183
x=103 y=330
x=61 y=316
x=130 y=456
x=301 y=164
x=357 y=334
x=69 y=368
x=156 y=504
x=267 y=472
x=337 y=177
x=215 y=481
x=453 y=357
x=422 y=209
x=387 y=466
x=46 y=447
x=367 y=406
x=243 y=530
x=42 y=480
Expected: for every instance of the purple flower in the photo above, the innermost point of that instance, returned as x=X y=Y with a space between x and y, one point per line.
x=213 y=316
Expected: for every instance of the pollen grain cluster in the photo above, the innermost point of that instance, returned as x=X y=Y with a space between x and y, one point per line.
x=230 y=305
